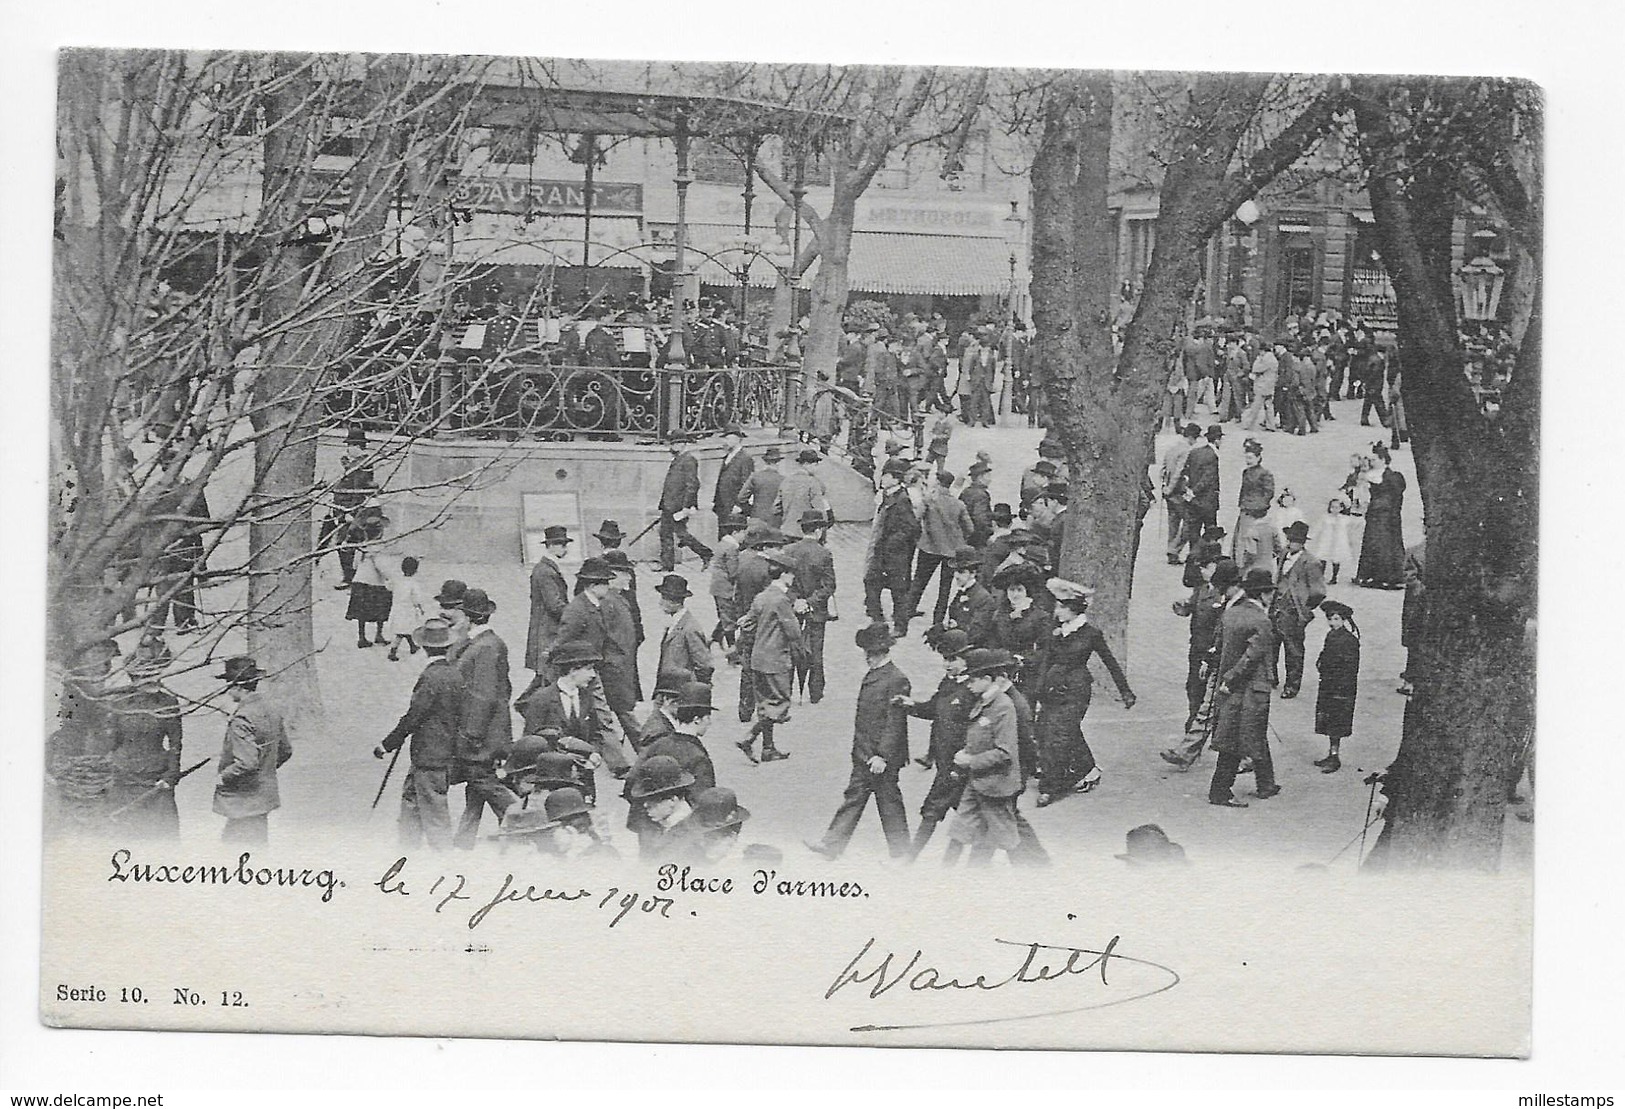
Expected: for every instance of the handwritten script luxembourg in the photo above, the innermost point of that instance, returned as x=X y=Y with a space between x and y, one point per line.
x=1090 y=970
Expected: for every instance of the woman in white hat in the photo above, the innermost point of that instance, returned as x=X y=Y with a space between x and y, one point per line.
x=1063 y=690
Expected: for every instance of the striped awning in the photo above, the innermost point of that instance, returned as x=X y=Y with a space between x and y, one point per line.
x=944 y=265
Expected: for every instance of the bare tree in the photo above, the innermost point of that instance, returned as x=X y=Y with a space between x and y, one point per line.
x=241 y=256
x=1223 y=137
x=1431 y=147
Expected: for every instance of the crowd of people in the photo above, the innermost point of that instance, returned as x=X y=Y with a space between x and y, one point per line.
x=1008 y=714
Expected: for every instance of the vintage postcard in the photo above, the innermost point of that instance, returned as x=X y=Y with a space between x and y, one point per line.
x=792 y=554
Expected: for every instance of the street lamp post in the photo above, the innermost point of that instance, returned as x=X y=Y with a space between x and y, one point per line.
x=676 y=356
x=1479 y=282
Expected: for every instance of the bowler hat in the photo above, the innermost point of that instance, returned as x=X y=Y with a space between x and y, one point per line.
x=553 y=769
x=810 y=457
x=718 y=807
x=451 y=593
x=758 y=534
x=1225 y=574
x=657 y=776
x=241 y=669
x=1044 y=466
x=1214 y=433
x=669 y=683
x=433 y=632
x=813 y=519
x=1190 y=431
x=1149 y=845
x=1002 y=514
x=594 y=570
x=557 y=533
x=984 y=661
x=895 y=467
x=949 y=642
x=1258 y=580
x=944 y=478
x=1056 y=491
x=895 y=446
x=616 y=559
x=967 y=558
x=1297 y=530
x=477 y=603
x=609 y=532
x=572 y=654
x=695 y=695
x=565 y=804
x=674 y=587
x=772 y=455
x=1252 y=446
x=1336 y=608
x=875 y=637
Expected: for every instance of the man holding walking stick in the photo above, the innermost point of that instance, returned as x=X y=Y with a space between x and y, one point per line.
x=431 y=721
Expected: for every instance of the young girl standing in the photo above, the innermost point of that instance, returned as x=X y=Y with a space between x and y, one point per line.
x=1339 y=666
x=1336 y=536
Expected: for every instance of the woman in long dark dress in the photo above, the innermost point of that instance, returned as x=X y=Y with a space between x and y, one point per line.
x=1382 y=550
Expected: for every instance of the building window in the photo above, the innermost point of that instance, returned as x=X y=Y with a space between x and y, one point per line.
x=512 y=146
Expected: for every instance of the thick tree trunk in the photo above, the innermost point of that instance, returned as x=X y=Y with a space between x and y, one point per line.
x=1472 y=710
x=1072 y=290
x=829 y=287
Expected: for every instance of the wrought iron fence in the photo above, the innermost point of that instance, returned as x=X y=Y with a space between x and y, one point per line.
x=496 y=400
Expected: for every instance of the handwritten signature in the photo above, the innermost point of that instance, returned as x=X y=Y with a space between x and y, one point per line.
x=1039 y=962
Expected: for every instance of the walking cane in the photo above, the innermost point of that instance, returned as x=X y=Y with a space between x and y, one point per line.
x=1371 y=801
x=390 y=769
x=121 y=810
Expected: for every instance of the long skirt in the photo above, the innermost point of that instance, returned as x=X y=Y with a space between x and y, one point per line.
x=370 y=604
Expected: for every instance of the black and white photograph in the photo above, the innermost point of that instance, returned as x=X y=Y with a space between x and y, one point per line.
x=792 y=552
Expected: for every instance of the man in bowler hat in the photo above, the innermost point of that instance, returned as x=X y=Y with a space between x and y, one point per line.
x=879 y=750
x=1300 y=586
x=548 y=595
x=256 y=744
x=1246 y=653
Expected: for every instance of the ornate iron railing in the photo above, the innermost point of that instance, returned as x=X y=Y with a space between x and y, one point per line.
x=494 y=400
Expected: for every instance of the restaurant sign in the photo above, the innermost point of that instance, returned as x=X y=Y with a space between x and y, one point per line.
x=518 y=196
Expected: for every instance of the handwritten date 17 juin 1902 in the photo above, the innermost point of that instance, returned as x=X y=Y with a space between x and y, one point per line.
x=448 y=890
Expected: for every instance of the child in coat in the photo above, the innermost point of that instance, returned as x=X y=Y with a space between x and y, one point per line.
x=1336 y=536
x=1339 y=666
